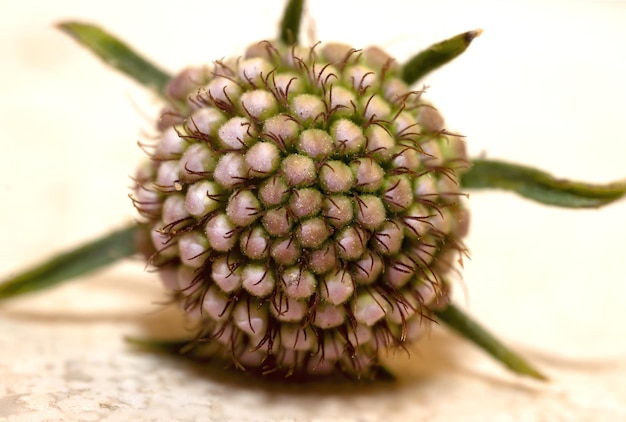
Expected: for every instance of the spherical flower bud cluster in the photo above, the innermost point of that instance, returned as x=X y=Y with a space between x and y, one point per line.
x=303 y=207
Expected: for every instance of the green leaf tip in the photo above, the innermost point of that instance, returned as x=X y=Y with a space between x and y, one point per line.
x=436 y=56
x=76 y=262
x=540 y=186
x=471 y=330
x=117 y=54
x=290 y=24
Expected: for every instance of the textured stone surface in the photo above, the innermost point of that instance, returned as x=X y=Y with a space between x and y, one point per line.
x=549 y=281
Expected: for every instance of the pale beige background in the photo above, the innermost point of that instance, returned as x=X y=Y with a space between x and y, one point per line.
x=545 y=84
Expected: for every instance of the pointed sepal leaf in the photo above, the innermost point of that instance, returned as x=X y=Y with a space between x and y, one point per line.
x=175 y=347
x=71 y=264
x=464 y=325
x=290 y=24
x=540 y=186
x=436 y=56
x=117 y=54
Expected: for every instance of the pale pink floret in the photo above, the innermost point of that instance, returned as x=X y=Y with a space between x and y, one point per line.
x=221 y=233
x=225 y=274
x=388 y=238
x=441 y=222
x=348 y=136
x=147 y=200
x=380 y=142
x=361 y=78
x=337 y=287
x=286 y=251
x=286 y=84
x=296 y=338
x=430 y=119
x=405 y=124
x=407 y=157
x=378 y=59
x=323 y=260
x=205 y=121
x=243 y=208
x=368 y=268
x=259 y=104
x=287 y=309
x=299 y=170
x=395 y=89
x=336 y=52
x=315 y=143
x=277 y=221
x=171 y=145
x=305 y=202
x=338 y=210
x=223 y=89
x=192 y=247
x=360 y=335
x=313 y=232
x=298 y=283
x=375 y=108
x=169 y=278
x=168 y=175
x=202 y=198
x=254 y=70
x=400 y=271
x=254 y=243
x=236 y=133
x=231 y=170
x=174 y=209
x=342 y=100
x=369 y=174
x=328 y=315
x=196 y=162
x=432 y=155
x=282 y=129
x=334 y=347
x=323 y=75
x=371 y=212
x=263 y=158
x=274 y=190
x=250 y=317
x=216 y=304
x=398 y=193
x=336 y=177
x=371 y=307
x=258 y=280
x=187 y=280
x=425 y=186
x=307 y=107
x=351 y=243
x=162 y=242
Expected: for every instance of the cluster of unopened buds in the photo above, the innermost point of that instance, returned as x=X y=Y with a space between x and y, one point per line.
x=304 y=205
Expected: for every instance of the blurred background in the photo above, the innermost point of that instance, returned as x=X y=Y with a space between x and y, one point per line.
x=543 y=85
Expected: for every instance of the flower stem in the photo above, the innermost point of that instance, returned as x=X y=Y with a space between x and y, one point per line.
x=117 y=54
x=74 y=263
x=436 y=56
x=539 y=185
x=471 y=330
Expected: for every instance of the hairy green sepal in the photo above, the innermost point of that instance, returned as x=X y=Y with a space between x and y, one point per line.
x=436 y=56
x=65 y=266
x=540 y=186
x=117 y=54
x=290 y=24
x=464 y=325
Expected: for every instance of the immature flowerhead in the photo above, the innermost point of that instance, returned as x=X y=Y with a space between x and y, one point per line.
x=303 y=206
